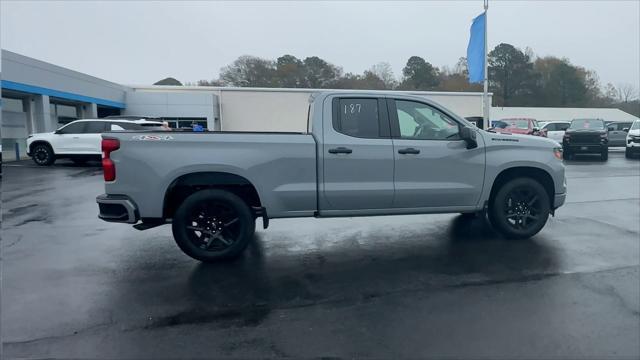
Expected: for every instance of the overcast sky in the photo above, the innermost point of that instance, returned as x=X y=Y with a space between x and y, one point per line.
x=142 y=42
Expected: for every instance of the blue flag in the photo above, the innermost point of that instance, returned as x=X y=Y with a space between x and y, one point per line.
x=475 y=50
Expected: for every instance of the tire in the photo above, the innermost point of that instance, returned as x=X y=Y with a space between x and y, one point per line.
x=604 y=155
x=43 y=155
x=226 y=220
x=513 y=219
x=627 y=153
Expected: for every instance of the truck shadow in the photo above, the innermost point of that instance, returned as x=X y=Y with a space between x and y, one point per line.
x=464 y=252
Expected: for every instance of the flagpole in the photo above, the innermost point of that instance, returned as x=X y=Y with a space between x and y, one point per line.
x=485 y=94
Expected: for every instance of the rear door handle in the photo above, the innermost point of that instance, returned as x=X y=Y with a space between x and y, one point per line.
x=409 y=151
x=340 y=150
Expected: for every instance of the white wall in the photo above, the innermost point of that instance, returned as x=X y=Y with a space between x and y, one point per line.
x=264 y=111
x=258 y=109
x=173 y=103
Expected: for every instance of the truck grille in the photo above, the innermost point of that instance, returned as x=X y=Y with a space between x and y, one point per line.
x=585 y=138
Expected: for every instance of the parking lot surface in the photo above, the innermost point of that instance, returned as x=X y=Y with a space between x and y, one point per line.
x=385 y=287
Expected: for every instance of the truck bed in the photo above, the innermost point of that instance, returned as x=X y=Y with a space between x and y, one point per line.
x=281 y=165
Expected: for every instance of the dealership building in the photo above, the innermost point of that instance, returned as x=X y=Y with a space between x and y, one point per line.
x=40 y=97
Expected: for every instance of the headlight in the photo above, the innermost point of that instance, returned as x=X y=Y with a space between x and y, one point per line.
x=557 y=152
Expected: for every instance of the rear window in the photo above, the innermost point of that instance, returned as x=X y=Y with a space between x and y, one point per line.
x=358 y=118
x=593 y=124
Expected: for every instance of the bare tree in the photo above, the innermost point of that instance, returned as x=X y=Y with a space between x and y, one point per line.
x=626 y=92
x=383 y=71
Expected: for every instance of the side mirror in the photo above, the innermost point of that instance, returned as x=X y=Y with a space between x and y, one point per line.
x=469 y=136
x=536 y=129
x=625 y=129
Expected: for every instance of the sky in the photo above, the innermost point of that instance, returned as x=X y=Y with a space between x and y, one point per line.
x=140 y=42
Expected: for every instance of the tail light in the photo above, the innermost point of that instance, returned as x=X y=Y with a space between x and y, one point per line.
x=109 y=168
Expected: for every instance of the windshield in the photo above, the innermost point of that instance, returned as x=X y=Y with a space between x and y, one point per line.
x=636 y=125
x=594 y=124
x=516 y=123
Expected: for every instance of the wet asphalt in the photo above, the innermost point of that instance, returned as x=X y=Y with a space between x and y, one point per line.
x=385 y=287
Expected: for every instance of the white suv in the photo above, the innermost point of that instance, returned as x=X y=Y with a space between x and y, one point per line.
x=80 y=140
x=633 y=140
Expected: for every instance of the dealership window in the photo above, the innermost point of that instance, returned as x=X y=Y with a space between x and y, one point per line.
x=12 y=104
x=183 y=123
x=63 y=114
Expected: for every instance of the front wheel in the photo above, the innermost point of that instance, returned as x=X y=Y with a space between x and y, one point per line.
x=42 y=155
x=627 y=153
x=604 y=155
x=213 y=225
x=520 y=208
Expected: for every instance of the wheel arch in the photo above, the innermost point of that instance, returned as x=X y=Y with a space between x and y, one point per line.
x=187 y=184
x=40 y=142
x=538 y=174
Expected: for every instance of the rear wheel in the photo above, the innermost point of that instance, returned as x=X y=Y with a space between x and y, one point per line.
x=213 y=225
x=520 y=208
x=42 y=155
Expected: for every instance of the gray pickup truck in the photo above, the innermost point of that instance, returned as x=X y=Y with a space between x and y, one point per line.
x=363 y=154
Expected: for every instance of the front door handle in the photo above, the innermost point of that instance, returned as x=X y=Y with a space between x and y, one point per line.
x=340 y=150
x=76 y=137
x=408 y=151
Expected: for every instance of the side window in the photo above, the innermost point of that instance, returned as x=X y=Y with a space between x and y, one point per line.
x=75 y=128
x=115 y=127
x=358 y=118
x=422 y=122
x=551 y=127
x=562 y=126
x=622 y=126
x=95 y=127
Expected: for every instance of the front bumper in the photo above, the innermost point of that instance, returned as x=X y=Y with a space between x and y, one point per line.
x=559 y=200
x=633 y=144
x=117 y=208
x=584 y=148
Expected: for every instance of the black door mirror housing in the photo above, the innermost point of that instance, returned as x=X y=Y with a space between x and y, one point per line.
x=625 y=129
x=468 y=134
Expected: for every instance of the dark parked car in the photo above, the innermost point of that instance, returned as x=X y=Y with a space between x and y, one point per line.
x=586 y=136
x=618 y=132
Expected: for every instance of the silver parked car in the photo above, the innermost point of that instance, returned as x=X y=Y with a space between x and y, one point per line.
x=618 y=132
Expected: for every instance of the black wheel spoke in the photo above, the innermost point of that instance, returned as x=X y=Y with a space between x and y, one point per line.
x=212 y=226
x=231 y=222
x=522 y=208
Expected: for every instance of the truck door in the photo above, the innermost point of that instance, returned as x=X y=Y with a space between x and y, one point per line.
x=357 y=155
x=433 y=167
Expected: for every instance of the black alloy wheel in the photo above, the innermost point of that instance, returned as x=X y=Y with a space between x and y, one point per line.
x=520 y=208
x=43 y=155
x=212 y=225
